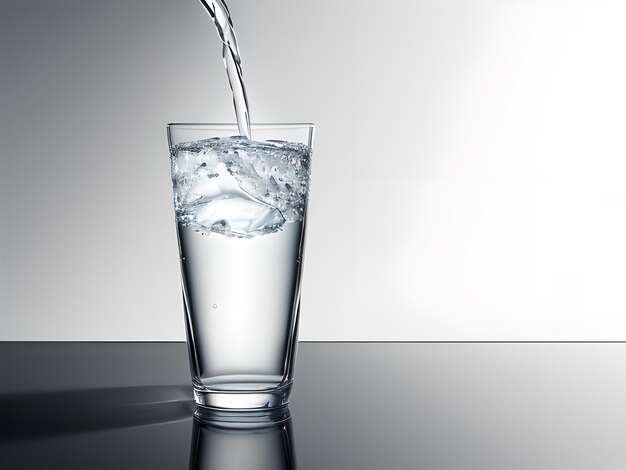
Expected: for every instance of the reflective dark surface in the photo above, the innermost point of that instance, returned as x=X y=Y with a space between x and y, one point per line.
x=244 y=440
x=361 y=406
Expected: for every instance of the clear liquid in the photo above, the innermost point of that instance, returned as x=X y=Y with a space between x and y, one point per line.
x=220 y=15
x=239 y=298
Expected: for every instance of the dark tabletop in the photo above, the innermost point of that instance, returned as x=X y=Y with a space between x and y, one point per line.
x=363 y=406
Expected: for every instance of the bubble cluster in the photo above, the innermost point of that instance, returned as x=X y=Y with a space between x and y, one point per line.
x=239 y=187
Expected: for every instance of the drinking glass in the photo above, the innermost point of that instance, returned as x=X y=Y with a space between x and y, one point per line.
x=240 y=218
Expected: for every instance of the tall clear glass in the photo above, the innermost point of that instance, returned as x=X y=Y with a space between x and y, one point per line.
x=240 y=217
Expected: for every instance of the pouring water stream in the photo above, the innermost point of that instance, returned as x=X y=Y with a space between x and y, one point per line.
x=220 y=15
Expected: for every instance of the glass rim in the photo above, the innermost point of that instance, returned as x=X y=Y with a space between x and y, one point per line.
x=223 y=125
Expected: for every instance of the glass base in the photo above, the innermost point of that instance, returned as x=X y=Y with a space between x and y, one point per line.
x=243 y=400
x=242 y=419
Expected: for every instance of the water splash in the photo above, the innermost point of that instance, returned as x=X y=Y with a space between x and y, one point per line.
x=239 y=187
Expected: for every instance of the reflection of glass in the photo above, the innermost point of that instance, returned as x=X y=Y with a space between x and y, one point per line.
x=240 y=213
x=249 y=440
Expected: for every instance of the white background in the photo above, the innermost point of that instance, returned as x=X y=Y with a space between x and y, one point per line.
x=469 y=168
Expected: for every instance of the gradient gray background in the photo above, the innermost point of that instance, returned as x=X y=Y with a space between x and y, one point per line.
x=468 y=177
